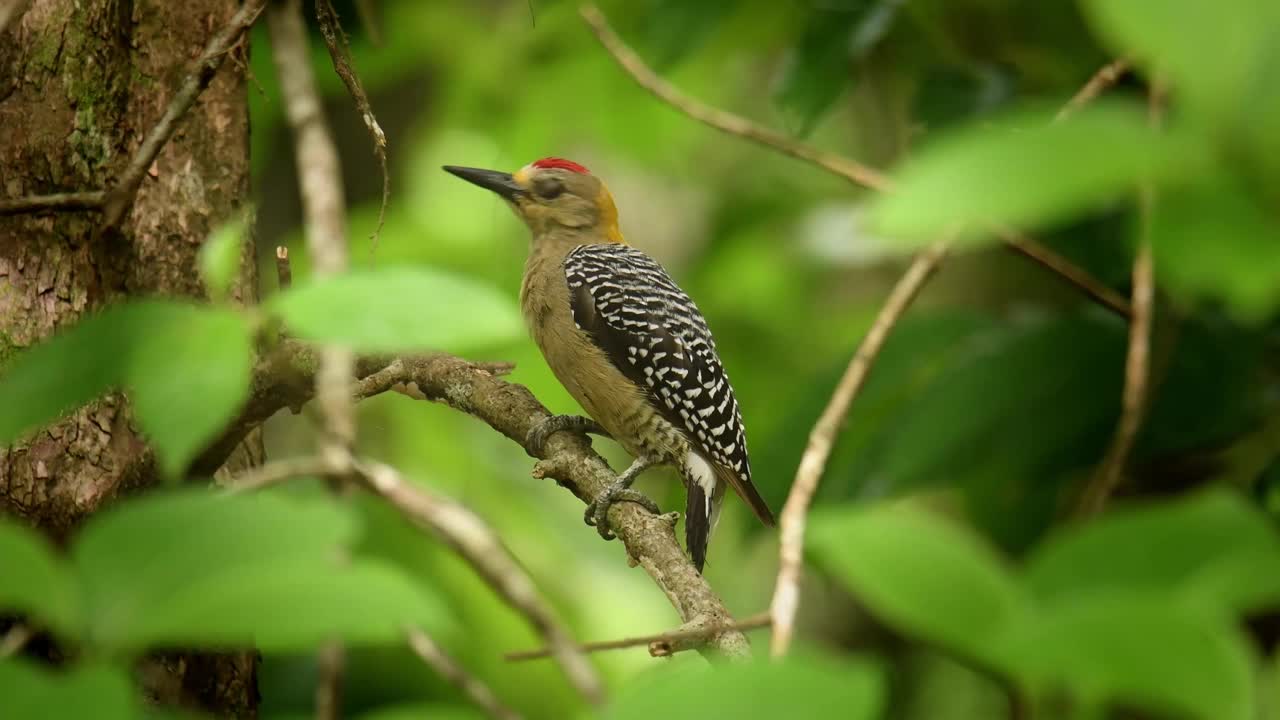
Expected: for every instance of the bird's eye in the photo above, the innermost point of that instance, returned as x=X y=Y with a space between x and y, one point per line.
x=548 y=188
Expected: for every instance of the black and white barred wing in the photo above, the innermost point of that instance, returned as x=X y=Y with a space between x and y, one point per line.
x=654 y=333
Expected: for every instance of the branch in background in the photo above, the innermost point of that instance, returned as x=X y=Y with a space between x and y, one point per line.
x=284 y=271
x=1137 y=365
x=340 y=52
x=791 y=523
x=58 y=202
x=120 y=198
x=283 y=379
x=853 y=171
x=437 y=659
x=645 y=77
x=1095 y=289
x=1104 y=78
x=369 y=19
x=660 y=645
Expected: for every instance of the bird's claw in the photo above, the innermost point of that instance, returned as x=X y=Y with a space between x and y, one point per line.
x=536 y=439
x=597 y=513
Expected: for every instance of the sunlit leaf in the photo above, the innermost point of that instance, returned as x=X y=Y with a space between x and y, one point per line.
x=921 y=573
x=395 y=309
x=220 y=257
x=1137 y=648
x=198 y=568
x=1164 y=547
x=33 y=579
x=186 y=369
x=420 y=711
x=800 y=686
x=1215 y=242
x=1170 y=37
x=102 y=693
x=1026 y=171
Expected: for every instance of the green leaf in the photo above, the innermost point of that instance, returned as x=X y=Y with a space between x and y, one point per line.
x=1171 y=37
x=1215 y=242
x=399 y=309
x=921 y=573
x=197 y=568
x=1028 y=171
x=819 y=67
x=1169 y=547
x=101 y=693
x=35 y=579
x=186 y=369
x=1140 y=649
x=418 y=711
x=800 y=686
x=220 y=256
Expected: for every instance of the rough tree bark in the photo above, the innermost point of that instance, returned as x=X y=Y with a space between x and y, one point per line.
x=81 y=82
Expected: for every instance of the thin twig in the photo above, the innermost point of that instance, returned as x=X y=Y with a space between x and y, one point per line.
x=16 y=639
x=57 y=202
x=284 y=270
x=660 y=645
x=120 y=197
x=1056 y=263
x=275 y=472
x=480 y=546
x=340 y=52
x=369 y=19
x=449 y=669
x=855 y=172
x=1104 y=78
x=1137 y=365
x=646 y=78
x=332 y=668
x=791 y=523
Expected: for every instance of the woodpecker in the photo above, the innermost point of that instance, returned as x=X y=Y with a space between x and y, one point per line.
x=627 y=343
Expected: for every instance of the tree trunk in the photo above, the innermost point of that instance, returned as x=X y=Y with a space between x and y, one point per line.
x=81 y=84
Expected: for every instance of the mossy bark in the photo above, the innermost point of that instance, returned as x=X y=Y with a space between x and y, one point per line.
x=81 y=83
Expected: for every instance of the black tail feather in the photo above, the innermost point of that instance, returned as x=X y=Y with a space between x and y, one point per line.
x=697 y=524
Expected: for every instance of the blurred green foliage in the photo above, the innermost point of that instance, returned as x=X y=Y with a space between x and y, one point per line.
x=988 y=409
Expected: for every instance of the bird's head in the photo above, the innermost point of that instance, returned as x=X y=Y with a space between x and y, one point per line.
x=550 y=195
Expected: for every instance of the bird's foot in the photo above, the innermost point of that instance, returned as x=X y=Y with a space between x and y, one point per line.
x=597 y=514
x=536 y=441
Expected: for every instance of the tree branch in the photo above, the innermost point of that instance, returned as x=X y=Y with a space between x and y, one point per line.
x=57 y=202
x=120 y=198
x=855 y=172
x=791 y=523
x=1105 y=77
x=480 y=546
x=437 y=659
x=282 y=379
x=465 y=533
x=660 y=645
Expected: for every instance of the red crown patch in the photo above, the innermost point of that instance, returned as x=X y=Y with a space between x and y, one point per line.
x=555 y=162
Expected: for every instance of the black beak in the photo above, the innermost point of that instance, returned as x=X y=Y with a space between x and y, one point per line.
x=499 y=182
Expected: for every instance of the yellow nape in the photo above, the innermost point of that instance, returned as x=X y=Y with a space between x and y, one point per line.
x=609 y=215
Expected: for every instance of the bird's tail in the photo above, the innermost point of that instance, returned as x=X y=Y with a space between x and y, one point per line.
x=697 y=524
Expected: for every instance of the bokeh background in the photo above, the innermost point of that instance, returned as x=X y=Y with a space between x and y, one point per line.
x=995 y=397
